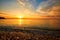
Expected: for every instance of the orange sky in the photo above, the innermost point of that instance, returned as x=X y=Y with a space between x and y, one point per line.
x=29 y=9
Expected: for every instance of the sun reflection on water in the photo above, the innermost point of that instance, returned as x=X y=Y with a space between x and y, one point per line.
x=20 y=21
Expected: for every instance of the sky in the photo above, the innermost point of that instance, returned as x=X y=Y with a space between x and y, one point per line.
x=31 y=8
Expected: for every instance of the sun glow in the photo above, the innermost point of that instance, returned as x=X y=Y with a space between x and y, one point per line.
x=20 y=17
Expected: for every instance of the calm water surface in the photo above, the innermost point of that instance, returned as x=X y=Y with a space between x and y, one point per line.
x=41 y=23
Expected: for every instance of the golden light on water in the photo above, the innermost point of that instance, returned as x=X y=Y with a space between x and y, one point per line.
x=20 y=21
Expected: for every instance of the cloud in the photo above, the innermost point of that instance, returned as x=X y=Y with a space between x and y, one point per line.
x=49 y=7
x=26 y=7
x=21 y=2
x=55 y=11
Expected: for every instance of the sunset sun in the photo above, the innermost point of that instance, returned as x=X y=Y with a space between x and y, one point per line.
x=20 y=17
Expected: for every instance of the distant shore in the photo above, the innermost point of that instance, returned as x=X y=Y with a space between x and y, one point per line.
x=2 y=18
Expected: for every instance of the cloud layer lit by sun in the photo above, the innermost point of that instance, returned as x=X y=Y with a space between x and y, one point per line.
x=48 y=7
x=35 y=9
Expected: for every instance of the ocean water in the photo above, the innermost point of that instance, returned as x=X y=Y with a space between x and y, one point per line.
x=31 y=23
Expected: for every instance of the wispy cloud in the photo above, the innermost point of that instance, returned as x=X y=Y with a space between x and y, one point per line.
x=26 y=7
x=55 y=11
x=21 y=2
x=47 y=7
